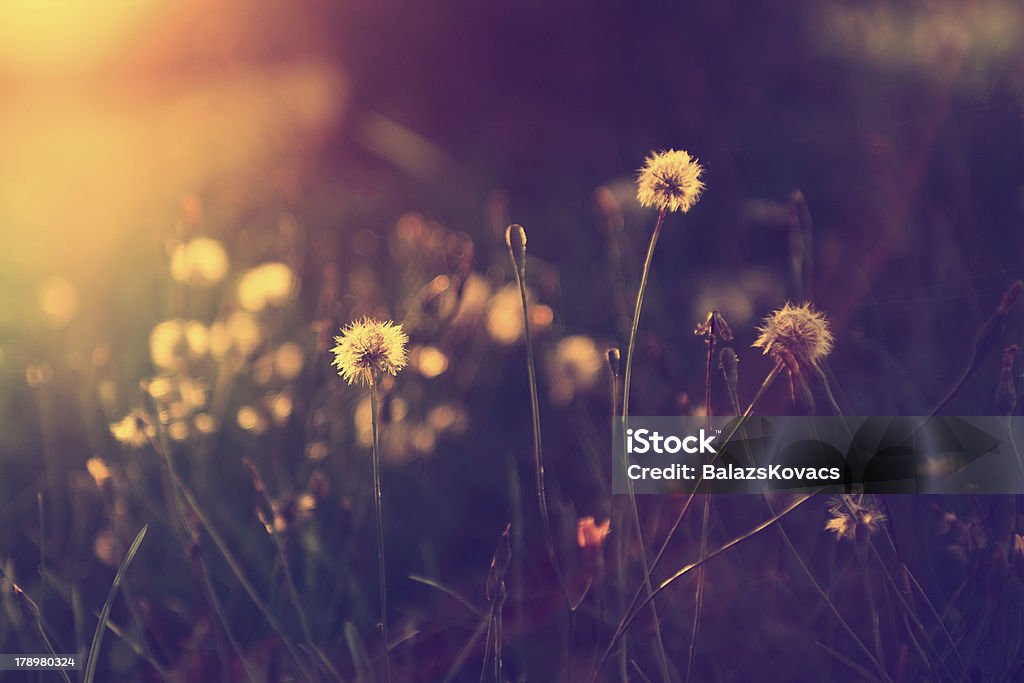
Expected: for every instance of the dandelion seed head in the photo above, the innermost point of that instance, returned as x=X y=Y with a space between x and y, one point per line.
x=669 y=181
x=795 y=334
x=848 y=514
x=368 y=349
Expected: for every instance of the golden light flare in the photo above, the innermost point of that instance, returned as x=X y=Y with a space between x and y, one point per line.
x=116 y=109
x=48 y=36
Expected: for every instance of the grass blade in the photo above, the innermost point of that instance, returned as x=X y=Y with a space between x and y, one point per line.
x=101 y=626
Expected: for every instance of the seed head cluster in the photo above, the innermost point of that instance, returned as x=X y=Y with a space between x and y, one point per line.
x=798 y=336
x=669 y=181
x=369 y=348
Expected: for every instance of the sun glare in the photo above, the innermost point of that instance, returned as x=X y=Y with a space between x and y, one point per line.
x=65 y=35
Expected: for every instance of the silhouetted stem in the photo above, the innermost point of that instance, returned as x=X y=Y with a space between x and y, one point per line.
x=630 y=348
x=377 y=498
x=519 y=268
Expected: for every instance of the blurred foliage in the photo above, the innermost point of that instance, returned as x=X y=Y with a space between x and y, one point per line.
x=195 y=196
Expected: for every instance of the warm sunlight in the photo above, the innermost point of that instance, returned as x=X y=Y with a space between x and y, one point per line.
x=65 y=35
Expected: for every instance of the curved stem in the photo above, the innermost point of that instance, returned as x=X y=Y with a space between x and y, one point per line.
x=636 y=314
x=380 y=529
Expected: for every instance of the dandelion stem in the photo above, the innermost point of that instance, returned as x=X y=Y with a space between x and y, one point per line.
x=630 y=348
x=617 y=516
x=380 y=529
x=760 y=392
x=699 y=595
x=519 y=268
x=833 y=404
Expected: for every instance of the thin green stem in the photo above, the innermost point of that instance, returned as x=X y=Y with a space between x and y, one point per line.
x=631 y=346
x=379 y=508
x=699 y=595
x=617 y=517
x=519 y=268
x=627 y=383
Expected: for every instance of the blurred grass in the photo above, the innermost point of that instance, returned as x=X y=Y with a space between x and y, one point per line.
x=378 y=154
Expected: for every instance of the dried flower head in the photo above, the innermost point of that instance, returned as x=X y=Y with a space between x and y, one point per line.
x=714 y=326
x=669 y=181
x=368 y=348
x=134 y=429
x=795 y=335
x=850 y=513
